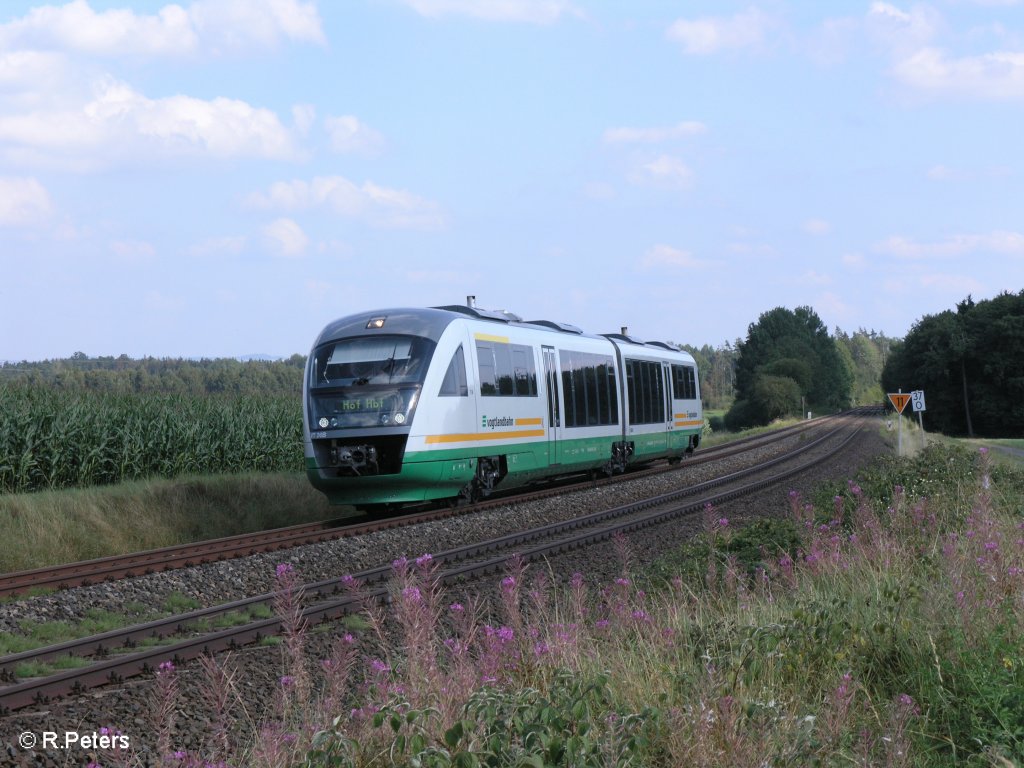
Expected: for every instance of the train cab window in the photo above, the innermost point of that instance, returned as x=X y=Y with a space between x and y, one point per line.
x=383 y=360
x=684 y=382
x=506 y=370
x=455 y=384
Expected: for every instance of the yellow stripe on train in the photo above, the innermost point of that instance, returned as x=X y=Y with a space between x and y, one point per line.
x=467 y=438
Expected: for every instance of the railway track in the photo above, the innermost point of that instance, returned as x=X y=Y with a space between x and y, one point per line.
x=115 y=567
x=114 y=656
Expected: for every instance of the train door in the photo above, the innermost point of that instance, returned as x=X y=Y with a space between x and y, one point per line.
x=554 y=428
x=666 y=372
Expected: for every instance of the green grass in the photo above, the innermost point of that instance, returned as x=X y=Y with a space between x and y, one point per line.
x=52 y=527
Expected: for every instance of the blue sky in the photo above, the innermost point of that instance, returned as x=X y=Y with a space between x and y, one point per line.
x=224 y=177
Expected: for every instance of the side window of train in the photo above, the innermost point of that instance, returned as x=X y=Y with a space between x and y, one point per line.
x=684 y=382
x=454 y=384
x=646 y=392
x=506 y=370
x=588 y=386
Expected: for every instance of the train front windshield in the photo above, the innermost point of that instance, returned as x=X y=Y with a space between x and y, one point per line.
x=367 y=381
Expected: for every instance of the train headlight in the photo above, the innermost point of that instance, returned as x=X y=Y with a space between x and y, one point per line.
x=323 y=422
x=399 y=418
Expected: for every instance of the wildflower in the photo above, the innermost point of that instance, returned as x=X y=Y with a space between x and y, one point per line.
x=622 y=582
x=400 y=563
x=424 y=560
x=723 y=522
x=348 y=580
x=508 y=583
x=287 y=681
x=505 y=634
x=412 y=594
x=166 y=666
x=379 y=666
x=456 y=608
x=540 y=649
x=283 y=569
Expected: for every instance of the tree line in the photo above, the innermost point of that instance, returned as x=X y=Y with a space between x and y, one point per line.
x=789 y=364
x=167 y=376
x=970 y=364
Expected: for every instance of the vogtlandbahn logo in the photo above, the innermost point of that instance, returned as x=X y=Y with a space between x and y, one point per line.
x=499 y=421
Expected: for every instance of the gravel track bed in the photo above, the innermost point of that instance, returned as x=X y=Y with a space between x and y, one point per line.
x=258 y=670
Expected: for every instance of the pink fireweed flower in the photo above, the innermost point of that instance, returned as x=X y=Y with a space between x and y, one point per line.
x=622 y=582
x=505 y=634
x=166 y=666
x=412 y=594
x=424 y=560
x=723 y=522
x=400 y=563
x=508 y=583
x=283 y=569
x=379 y=666
x=287 y=681
x=456 y=608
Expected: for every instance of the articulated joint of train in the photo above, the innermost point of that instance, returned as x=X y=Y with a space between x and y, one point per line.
x=621 y=452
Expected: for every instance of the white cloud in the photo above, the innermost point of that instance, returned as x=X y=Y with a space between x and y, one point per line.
x=303 y=116
x=529 y=11
x=653 y=135
x=380 y=206
x=214 y=25
x=23 y=202
x=955 y=284
x=995 y=76
x=118 y=122
x=665 y=171
x=349 y=134
x=854 y=261
x=817 y=278
x=286 y=238
x=902 y=30
x=817 y=227
x=1010 y=243
x=945 y=173
x=709 y=35
x=219 y=246
x=133 y=251
x=666 y=256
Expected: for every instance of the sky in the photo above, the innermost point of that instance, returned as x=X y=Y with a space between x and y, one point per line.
x=222 y=178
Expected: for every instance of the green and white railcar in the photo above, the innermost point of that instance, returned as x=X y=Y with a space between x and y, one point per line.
x=410 y=405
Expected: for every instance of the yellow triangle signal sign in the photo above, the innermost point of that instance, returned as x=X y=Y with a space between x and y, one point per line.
x=899 y=400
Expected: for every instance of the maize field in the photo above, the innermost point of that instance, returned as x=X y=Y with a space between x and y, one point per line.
x=53 y=438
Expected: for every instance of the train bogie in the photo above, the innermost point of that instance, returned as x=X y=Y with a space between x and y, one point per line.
x=411 y=405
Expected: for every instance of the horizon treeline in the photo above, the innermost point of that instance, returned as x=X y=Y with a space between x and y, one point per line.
x=167 y=376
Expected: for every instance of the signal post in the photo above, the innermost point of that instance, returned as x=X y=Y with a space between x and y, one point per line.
x=899 y=402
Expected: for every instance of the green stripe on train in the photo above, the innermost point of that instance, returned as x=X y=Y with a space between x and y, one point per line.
x=437 y=474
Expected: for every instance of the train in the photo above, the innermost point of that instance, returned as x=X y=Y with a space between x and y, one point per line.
x=451 y=404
